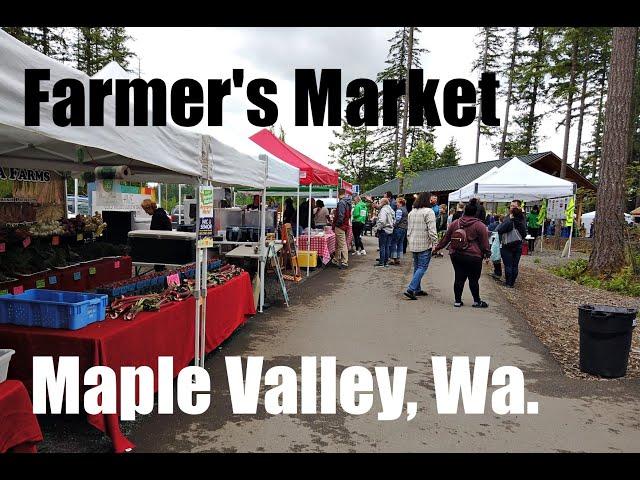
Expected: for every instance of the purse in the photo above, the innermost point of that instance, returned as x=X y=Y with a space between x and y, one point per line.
x=510 y=238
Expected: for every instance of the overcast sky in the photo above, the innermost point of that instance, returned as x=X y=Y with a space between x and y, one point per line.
x=275 y=53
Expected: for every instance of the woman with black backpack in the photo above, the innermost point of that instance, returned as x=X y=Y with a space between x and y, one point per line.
x=468 y=242
x=512 y=231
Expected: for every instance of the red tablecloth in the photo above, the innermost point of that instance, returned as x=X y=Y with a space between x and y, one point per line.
x=116 y=343
x=325 y=245
x=19 y=429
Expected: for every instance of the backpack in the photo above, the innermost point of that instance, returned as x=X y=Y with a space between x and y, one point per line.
x=459 y=241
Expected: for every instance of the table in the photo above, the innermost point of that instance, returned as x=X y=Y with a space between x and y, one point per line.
x=247 y=251
x=116 y=343
x=325 y=245
x=19 y=429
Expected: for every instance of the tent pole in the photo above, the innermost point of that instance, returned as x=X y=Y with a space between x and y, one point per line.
x=75 y=197
x=179 y=203
x=196 y=292
x=297 y=214
x=263 y=234
x=309 y=232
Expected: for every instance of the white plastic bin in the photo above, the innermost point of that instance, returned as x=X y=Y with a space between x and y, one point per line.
x=5 y=358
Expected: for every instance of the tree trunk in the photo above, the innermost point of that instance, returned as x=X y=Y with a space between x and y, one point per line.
x=405 y=113
x=598 y=136
x=484 y=67
x=607 y=256
x=512 y=67
x=567 y=116
x=396 y=143
x=531 y=118
x=583 y=98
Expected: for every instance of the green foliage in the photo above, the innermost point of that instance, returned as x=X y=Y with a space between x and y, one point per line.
x=450 y=155
x=422 y=157
x=624 y=282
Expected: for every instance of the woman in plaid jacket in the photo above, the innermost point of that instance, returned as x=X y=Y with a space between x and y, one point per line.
x=422 y=237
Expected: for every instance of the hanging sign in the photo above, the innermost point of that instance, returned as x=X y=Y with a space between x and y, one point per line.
x=205 y=227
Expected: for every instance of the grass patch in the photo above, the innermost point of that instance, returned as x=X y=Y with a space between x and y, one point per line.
x=625 y=282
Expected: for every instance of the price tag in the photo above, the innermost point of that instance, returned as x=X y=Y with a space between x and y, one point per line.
x=4 y=292
x=40 y=283
x=53 y=280
x=3 y=247
x=26 y=242
x=18 y=290
x=79 y=237
x=55 y=240
x=77 y=275
x=92 y=270
x=173 y=280
x=116 y=264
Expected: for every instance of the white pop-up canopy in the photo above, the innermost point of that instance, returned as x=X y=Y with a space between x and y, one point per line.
x=460 y=195
x=515 y=179
x=163 y=153
x=224 y=165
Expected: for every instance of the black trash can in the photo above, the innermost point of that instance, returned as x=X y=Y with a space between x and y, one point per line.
x=605 y=339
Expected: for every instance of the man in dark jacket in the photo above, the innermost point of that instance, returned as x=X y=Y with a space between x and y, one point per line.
x=341 y=221
x=159 y=221
x=512 y=251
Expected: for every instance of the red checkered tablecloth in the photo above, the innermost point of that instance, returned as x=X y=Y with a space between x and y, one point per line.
x=325 y=245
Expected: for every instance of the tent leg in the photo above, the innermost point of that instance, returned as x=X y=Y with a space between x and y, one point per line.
x=309 y=230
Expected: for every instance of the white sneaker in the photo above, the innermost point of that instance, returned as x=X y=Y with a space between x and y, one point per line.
x=363 y=252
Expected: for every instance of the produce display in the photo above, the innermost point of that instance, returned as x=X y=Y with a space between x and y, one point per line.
x=127 y=307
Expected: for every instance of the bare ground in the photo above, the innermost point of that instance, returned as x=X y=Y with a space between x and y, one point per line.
x=550 y=305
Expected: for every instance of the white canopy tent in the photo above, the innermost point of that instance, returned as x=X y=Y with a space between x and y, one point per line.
x=168 y=154
x=587 y=219
x=515 y=179
x=459 y=195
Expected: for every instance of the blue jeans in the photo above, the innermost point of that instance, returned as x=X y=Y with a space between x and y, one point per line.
x=384 y=241
x=420 y=265
x=397 y=242
x=511 y=259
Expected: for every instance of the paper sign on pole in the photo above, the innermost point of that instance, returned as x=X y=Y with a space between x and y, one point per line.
x=205 y=230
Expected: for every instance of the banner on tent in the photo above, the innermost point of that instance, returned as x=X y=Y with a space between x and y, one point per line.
x=113 y=195
x=28 y=195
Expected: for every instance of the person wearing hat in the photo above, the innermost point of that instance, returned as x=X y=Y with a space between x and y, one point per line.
x=159 y=221
x=159 y=218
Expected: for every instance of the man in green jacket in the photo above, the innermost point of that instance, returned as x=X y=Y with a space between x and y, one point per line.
x=532 y=226
x=358 y=219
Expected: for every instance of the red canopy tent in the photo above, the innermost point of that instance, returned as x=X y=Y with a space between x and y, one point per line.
x=311 y=172
x=348 y=188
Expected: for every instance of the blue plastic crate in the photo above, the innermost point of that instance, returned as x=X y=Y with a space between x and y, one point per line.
x=53 y=309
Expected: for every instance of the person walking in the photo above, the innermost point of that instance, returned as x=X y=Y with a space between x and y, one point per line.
x=421 y=236
x=384 y=229
x=532 y=227
x=399 y=231
x=358 y=219
x=512 y=230
x=341 y=221
x=468 y=243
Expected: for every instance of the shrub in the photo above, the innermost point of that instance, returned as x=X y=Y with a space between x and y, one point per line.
x=625 y=282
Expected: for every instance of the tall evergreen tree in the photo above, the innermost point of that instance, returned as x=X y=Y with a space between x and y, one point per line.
x=608 y=253
x=353 y=151
x=509 y=73
x=450 y=155
x=116 y=39
x=529 y=91
x=388 y=138
x=489 y=45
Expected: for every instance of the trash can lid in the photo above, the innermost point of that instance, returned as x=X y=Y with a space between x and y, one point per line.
x=609 y=309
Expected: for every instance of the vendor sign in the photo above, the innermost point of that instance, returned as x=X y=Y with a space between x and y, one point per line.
x=205 y=227
x=29 y=195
